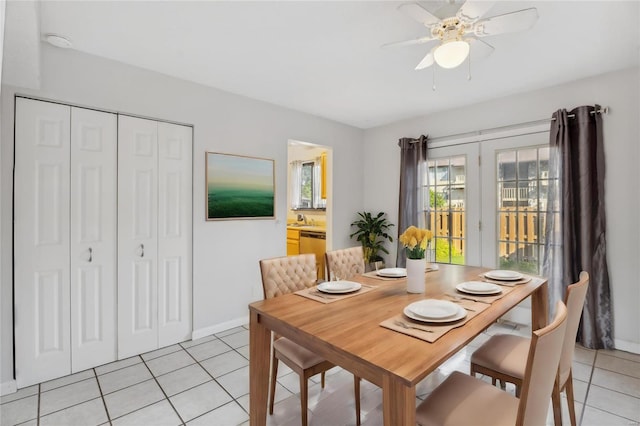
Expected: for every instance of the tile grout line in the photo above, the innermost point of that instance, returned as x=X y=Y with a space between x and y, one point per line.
x=40 y=392
x=162 y=390
x=104 y=403
x=214 y=379
x=38 y=412
x=586 y=396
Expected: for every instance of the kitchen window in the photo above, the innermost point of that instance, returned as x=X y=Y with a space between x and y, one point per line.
x=306 y=185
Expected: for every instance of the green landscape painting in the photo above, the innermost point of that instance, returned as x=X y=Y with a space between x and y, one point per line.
x=239 y=187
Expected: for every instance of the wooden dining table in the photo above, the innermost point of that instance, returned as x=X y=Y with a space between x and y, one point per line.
x=348 y=333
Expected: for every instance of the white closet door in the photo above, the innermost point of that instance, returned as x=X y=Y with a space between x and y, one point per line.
x=137 y=236
x=93 y=238
x=174 y=233
x=41 y=241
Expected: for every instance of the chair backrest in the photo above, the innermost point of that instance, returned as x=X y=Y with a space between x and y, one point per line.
x=283 y=275
x=574 y=299
x=345 y=263
x=541 y=371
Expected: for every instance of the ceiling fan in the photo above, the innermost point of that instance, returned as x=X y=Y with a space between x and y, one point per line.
x=457 y=34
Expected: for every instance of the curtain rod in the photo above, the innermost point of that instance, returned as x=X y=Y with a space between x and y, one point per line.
x=604 y=110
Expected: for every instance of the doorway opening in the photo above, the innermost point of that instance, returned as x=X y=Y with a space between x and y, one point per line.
x=309 y=195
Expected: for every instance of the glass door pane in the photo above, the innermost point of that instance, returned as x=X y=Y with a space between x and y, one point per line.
x=514 y=212
x=451 y=204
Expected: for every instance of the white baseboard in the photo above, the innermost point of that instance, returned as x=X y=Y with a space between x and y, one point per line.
x=8 y=387
x=208 y=331
x=624 y=345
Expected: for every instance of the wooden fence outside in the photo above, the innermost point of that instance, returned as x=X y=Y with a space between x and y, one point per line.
x=516 y=228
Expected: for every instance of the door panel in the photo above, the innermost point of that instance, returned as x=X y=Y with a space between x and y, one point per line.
x=51 y=324
x=89 y=320
x=41 y=241
x=456 y=224
x=507 y=226
x=137 y=236
x=174 y=239
x=93 y=238
x=142 y=295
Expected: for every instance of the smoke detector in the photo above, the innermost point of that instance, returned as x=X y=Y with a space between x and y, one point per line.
x=57 y=41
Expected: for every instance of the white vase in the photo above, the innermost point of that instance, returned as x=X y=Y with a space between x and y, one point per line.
x=415 y=275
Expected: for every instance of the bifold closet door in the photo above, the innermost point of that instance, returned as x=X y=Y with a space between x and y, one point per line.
x=174 y=233
x=154 y=234
x=137 y=236
x=41 y=241
x=64 y=239
x=93 y=238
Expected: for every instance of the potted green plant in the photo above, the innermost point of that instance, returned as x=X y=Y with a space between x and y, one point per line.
x=372 y=232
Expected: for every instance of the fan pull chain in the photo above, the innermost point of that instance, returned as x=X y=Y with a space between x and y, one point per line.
x=469 y=73
x=433 y=87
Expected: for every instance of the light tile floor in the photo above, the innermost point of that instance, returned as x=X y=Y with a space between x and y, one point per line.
x=206 y=382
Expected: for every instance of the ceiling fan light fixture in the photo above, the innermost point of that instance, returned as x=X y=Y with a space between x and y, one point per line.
x=451 y=54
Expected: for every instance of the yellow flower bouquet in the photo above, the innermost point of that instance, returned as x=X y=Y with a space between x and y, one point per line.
x=415 y=241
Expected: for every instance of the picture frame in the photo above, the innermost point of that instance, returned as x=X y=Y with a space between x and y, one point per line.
x=239 y=187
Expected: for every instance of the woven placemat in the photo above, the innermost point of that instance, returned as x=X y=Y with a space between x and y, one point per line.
x=430 y=332
x=374 y=274
x=314 y=294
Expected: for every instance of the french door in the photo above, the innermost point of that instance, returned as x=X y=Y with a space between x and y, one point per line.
x=485 y=201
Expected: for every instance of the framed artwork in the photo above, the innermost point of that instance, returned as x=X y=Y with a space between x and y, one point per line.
x=239 y=187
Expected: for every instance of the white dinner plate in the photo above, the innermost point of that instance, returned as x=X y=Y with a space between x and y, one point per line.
x=458 y=315
x=392 y=272
x=478 y=287
x=503 y=275
x=338 y=286
x=433 y=309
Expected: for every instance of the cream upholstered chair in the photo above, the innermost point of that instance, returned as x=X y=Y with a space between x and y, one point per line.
x=344 y=263
x=464 y=400
x=283 y=275
x=503 y=356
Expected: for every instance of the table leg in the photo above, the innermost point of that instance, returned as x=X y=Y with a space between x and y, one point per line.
x=540 y=307
x=259 y=348
x=399 y=402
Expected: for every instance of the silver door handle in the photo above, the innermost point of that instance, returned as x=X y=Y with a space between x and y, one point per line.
x=141 y=250
x=90 y=254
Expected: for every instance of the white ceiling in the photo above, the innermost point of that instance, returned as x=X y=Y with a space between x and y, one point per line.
x=325 y=58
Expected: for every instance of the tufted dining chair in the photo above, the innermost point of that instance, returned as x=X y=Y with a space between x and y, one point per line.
x=503 y=356
x=344 y=263
x=280 y=276
x=464 y=400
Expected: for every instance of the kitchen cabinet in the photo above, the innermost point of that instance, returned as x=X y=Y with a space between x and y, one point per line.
x=293 y=242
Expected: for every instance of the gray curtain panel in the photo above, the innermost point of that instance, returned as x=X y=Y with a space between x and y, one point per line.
x=579 y=146
x=413 y=157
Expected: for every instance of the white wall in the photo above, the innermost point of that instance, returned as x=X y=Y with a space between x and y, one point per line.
x=226 y=253
x=620 y=91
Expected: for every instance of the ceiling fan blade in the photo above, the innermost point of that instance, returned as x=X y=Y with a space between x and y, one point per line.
x=471 y=11
x=421 y=40
x=419 y=14
x=507 y=23
x=426 y=62
x=479 y=49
